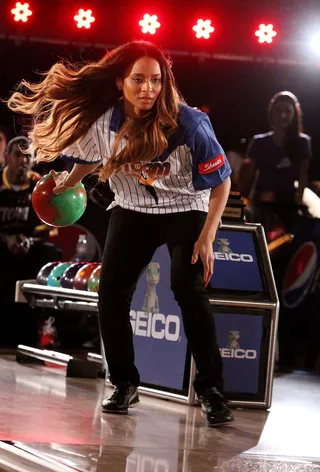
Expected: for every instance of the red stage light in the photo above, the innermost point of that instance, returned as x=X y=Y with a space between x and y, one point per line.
x=21 y=12
x=84 y=18
x=149 y=24
x=265 y=33
x=203 y=29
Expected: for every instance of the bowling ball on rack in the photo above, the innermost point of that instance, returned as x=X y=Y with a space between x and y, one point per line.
x=82 y=276
x=94 y=279
x=58 y=210
x=68 y=276
x=44 y=272
x=57 y=273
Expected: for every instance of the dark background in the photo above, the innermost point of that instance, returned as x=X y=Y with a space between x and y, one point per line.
x=236 y=89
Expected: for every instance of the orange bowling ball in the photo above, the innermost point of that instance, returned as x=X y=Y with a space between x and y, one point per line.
x=80 y=281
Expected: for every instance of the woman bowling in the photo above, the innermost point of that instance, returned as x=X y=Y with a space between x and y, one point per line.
x=171 y=182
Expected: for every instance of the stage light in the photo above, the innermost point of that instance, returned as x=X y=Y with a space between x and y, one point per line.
x=265 y=33
x=315 y=43
x=149 y=24
x=84 y=18
x=203 y=29
x=21 y=12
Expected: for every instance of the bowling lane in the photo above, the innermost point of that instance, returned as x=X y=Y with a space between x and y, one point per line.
x=61 y=418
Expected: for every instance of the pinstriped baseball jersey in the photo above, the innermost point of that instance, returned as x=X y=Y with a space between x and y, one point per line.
x=178 y=180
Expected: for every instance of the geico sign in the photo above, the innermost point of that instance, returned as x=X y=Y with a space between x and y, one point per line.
x=155 y=325
x=141 y=463
x=233 y=257
x=239 y=353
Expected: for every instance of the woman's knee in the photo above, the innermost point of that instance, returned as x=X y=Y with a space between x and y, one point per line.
x=111 y=299
x=187 y=291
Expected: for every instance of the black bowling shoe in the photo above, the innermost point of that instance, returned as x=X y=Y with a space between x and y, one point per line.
x=214 y=408
x=123 y=397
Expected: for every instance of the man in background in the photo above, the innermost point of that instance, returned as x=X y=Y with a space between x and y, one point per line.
x=3 y=145
x=23 y=242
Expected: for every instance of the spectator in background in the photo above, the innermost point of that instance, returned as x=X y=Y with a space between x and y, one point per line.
x=21 y=256
x=3 y=145
x=275 y=161
x=15 y=191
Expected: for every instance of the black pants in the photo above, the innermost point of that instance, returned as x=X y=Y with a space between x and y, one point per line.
x=131 y=242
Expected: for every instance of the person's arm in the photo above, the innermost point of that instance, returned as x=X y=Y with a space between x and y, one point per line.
x=85 y=154
x=248 y=169
x=246 y=177
x=211 y=170
x=66 y=180
x=204 y=246
x=14 y=243
x=303 y=179
x=306 y=153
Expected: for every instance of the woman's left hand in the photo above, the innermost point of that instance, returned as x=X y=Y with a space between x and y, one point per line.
x=204 y=248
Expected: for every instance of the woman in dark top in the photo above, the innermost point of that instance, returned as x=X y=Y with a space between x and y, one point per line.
x=277 y=160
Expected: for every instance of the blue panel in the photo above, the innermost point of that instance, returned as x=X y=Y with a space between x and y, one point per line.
x=236 y=266
x=239 y=340
x=159 y=339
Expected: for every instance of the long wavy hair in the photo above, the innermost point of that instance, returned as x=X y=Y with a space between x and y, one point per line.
x=68 y=101
x=295 y=128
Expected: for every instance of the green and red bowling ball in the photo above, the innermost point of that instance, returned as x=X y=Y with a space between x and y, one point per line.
x=94 y=279
x=58 y=210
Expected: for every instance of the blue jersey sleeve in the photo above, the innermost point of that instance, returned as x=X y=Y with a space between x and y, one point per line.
x=210 y=165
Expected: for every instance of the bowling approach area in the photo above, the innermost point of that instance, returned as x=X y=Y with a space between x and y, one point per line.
x=51 y=402
x=53 y=423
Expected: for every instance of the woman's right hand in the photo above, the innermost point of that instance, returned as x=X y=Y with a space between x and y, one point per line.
x=60 y=181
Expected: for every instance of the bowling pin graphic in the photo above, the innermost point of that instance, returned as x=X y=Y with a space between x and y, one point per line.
x=151 y=302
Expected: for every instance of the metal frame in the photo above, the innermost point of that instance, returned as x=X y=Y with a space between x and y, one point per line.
x=76 y=368
x=272 y=305
x=201 y=56
x=44 y=355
